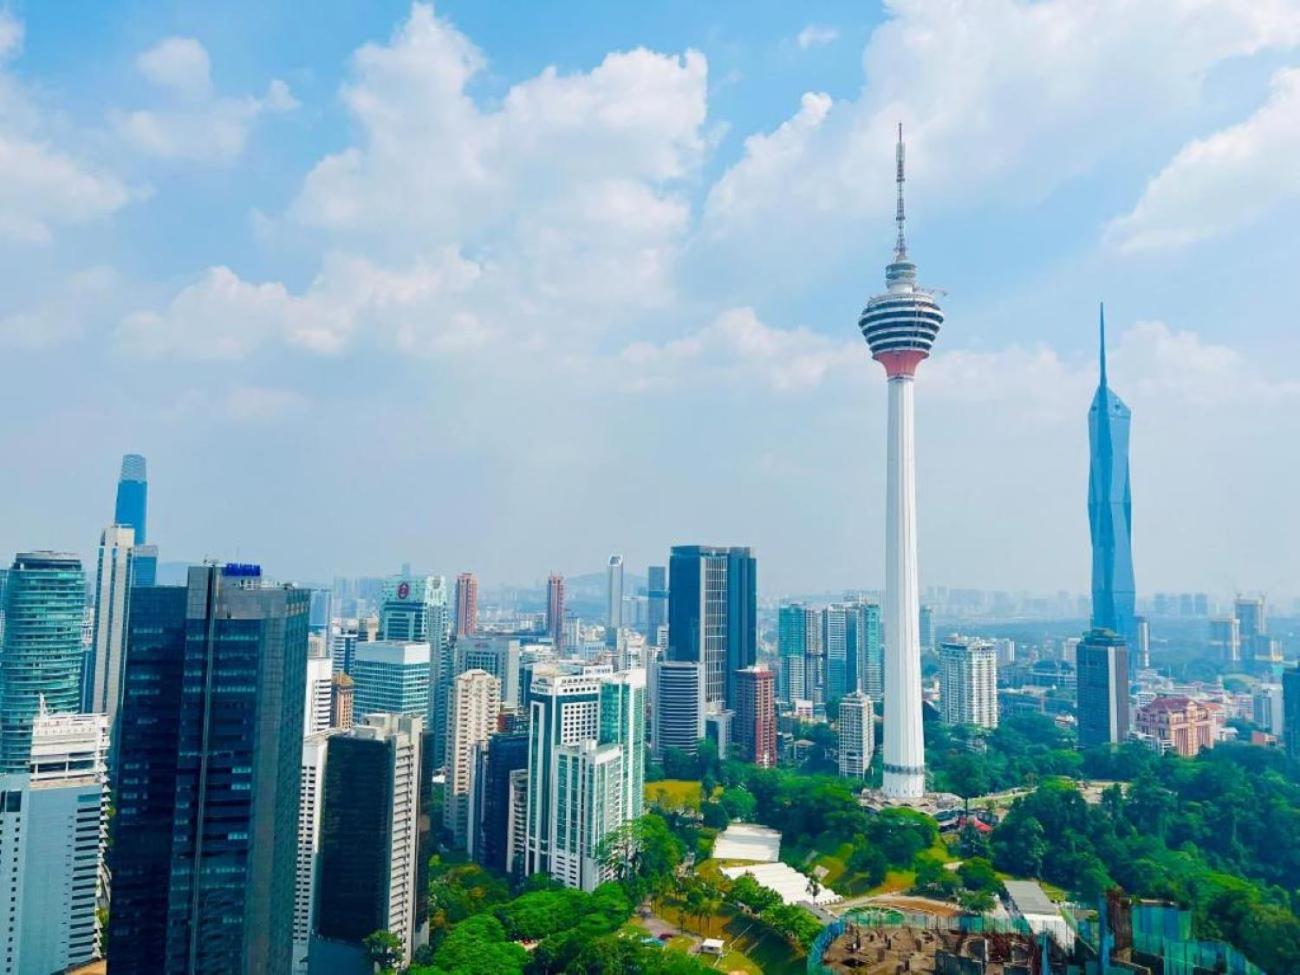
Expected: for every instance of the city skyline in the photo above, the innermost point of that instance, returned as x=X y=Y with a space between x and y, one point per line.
x=304 y=211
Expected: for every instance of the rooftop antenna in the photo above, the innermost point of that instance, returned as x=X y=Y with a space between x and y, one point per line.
x=900 y=248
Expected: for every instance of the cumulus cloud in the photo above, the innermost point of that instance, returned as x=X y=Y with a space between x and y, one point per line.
x=1223 y=182
x=816 y=35
x=63 y=313
x=194 y=122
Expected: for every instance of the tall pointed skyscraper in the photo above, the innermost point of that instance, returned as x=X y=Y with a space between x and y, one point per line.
x=1110 y=509
x=900 y=326
x=132 y=496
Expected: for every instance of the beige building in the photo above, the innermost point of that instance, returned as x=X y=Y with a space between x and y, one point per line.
x=475 y=707
x=1180 y=724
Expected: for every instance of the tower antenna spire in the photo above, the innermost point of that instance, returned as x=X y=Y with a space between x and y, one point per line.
x=1102 y=344
x=900 y=248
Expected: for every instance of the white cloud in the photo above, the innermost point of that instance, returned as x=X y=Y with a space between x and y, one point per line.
x=816 y=35
x=1002 y=98
x=1223 y=182
x=194 y=122
x=63 y=314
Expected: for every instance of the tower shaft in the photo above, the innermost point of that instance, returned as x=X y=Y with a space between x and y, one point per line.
x=904 y=738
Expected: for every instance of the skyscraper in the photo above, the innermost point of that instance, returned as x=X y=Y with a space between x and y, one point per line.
x=927 y=628
x=52 y=845
x=1110 y=508
x=622 y=723
x=466 y=604
x=132 y=496
x=900 y=327
x=319 y=701
x=369 y=847
x=614 y=593
x=45 y=601
x=656 y=604
x=712 y=615
x=835 y=645
x=857 y=729
x=1291 y=712
x=677 y=706
x=489 y=814
x=555 y=610
x=112 y=596
x=866 y=650
x=390 y=678
x=209 y=776
x=1102 y=692
x=414 y=610
x=968 y=682
x=475 y=705
x=311 y=803
x=1225 y=638
x=754 y=727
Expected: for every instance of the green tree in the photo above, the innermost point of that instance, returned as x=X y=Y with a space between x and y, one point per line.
x=383 y=950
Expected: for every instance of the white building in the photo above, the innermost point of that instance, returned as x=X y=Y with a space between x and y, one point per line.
x=968 y=682
x=315 y=748
x=53 y=822
x=320 y=694
x=112 y=595
x=614 y=593
x=589 y=806
x=475 y=707
x=857 y=731
x=390 y=678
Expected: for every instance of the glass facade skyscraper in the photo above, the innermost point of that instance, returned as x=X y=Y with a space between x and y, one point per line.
x=712 y=615
x=1110 y=509
x=42 y=656
x=132 y=496
x=208 y=778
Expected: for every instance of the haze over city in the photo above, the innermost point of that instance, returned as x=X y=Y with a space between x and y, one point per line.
x=427 y=284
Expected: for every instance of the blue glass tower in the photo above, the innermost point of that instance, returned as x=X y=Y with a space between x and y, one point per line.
x=1110 y=509
x=132 y=496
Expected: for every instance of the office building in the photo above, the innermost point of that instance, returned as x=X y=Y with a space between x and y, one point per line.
x=112 y=598
x=900 y=326
x=623 y=723
x=968 y=682
x=475 y=707
x=466 y=604
x=1110 y=509
x=390 y=678
x=614 y=595
x=1102 y=689
x=835 y=646
x=754 y=725
x=678 y=706
x=315 y=749
x=555 y=610
x=496 y=763
x=341 y=701
x=1225 y=638
x=1179 y=724
x=344 y=637
x=588 y=807
x=132 y=501
x=866 y=650
x=712 y=615
x=656 y=630
x=209 y=776
x=857 y=730
x=369 y=847
x=41 y=655
x=499 y=655
x=415 y=610
x=318 y=712
x=52 y=827
x=926 y=623
x=1291 y=712
x=1267 y=709
x=791 y=644
x=564 y=709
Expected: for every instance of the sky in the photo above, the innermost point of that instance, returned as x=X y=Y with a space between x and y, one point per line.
x=508 y=287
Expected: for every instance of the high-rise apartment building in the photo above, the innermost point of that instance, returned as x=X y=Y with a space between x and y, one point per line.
x=753 y=729
x=133 y=497
x=712 y=615
x=677 y=706
x=112 y=597
x=555 y=610
x=209 y=776
x=857 y=731
x=1110 y=509
x=390 y=678
x=41 y=656
x=1102 y=689
x=52 y=828
x=475 y=706
x=614 y=594
x=968 y=682
x=657 y=605
x=369 y=847
x=466 y=604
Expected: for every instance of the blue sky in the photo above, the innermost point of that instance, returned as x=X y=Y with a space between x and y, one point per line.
x=508 y=287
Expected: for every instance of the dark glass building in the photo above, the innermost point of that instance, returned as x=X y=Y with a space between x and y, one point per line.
x=207 y=784
x=1101 y=668
x=656 y=601
x=132 y=496
x=1110 y=509
x=490 y=810
x=712 y=615
x=1291 y=712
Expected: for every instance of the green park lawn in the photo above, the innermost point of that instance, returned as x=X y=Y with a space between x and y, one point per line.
x=673 y=794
